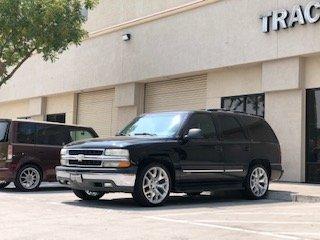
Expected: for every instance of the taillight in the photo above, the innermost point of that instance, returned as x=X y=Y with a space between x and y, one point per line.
x=10 y=154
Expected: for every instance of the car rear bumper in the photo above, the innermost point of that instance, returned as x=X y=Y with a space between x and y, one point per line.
x=6 y=174
x=276 y=172
x=97 y=179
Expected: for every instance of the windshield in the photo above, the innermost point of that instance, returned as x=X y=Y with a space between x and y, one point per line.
x=156 y=125
x=3 y=131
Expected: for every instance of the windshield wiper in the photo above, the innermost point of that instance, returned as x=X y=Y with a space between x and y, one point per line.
x=145 y=134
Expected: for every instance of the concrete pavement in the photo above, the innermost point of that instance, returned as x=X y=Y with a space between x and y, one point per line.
x=296 y=192
x=55 y=213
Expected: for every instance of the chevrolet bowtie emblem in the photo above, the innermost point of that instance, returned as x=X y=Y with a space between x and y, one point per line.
x=80 y=157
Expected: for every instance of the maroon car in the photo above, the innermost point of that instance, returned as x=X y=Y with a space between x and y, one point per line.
x=30 y=151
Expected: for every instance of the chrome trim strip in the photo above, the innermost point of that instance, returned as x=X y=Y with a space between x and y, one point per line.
x=203 y=171
x=213 y=171
x=234 y=170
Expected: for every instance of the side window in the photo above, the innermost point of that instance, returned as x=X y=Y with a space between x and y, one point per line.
x=203 y=122
x=231 y=129
x=78 y=134
x=54 y=135
x=260 y=131
x=26 y=133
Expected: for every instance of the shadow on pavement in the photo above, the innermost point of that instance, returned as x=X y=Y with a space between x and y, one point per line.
x=174 y=202
x=45 y=188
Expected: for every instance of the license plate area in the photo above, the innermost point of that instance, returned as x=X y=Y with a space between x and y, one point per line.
x=76 y=178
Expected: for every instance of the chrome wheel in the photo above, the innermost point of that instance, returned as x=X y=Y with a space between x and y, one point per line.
x=29 y=178
x=156 y=185
x=259 y=182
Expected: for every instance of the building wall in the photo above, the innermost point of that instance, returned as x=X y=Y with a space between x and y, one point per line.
x=14 y=109
x=112 y=12
x=233 y=81
x=227 y=33
x=65 y=103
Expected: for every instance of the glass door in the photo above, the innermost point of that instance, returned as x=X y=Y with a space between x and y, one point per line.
x=313 y=136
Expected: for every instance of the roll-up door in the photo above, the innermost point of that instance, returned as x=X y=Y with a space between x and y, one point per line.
x=96 y=109
x=176 y=94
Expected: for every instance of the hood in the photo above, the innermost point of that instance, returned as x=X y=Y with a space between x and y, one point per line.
x=113 y=142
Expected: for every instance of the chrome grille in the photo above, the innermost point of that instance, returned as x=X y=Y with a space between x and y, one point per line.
x=86 y=152
x=85 y=163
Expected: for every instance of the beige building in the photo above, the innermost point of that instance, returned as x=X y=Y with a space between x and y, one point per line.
x=257 y=56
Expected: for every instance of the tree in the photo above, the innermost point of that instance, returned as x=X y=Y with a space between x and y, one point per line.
x=46 y=27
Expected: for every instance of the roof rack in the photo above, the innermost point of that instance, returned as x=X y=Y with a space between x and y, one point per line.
x=230 y=111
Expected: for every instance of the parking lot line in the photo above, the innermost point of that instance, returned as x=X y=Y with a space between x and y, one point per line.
x=234 y=229
x=256 y=222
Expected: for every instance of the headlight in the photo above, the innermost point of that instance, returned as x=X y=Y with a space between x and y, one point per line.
x=119 y=158
x=117 y=153
x=63 y=151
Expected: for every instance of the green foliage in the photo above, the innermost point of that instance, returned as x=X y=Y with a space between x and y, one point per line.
x=46 y=27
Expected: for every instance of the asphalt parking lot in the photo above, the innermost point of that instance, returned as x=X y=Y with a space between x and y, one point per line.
x=55 y=213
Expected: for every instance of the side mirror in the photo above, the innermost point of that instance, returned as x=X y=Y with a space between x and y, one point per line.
x=194 y=133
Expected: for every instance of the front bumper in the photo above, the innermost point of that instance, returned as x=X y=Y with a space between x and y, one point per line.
x=97 y=179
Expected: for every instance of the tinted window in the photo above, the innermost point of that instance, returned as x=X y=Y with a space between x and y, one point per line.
x=251 y=104
x=26 y=133
x=59 y=118
x=55 y=135
x=3 y=131
x=78 y=134
x=231 y=129
x=259 y=130
x=203 y=122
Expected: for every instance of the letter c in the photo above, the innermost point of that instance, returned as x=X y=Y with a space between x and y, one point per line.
x=312 y=18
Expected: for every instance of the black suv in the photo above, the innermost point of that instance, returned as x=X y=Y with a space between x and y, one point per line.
x=189 y=152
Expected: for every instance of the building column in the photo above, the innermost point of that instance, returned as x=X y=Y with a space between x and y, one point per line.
x=283 y=83
x=37 y=108
x=129 y=100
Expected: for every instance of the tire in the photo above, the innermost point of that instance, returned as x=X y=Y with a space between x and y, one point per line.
x=28 y=178
x=3 y=184
x=88 y=195
x=153 y=185
x=257 y=182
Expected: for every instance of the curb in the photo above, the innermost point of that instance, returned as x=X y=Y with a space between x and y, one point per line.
x=292 y=197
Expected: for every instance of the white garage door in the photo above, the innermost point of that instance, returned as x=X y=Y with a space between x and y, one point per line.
x=96 y=110
x=177 y=94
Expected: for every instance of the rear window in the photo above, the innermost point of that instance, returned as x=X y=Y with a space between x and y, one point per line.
x=26 y=133
x=259 y=130
x=231 y=130
x=54 y=135
x=60 y=135
x=3 y=131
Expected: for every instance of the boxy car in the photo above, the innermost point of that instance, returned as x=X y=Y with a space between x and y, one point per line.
x=188 y=152
x=30 y=151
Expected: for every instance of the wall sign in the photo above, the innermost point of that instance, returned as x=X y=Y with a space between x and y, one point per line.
x=282 y=18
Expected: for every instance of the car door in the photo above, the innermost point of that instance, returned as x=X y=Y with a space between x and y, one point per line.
x=49 y=140
x=202 y=158
x=236 y=147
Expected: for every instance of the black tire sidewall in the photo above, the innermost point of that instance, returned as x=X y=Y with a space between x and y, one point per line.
x=86 y=197
x=17 y=179
x=138 y=194
x=249 y=192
